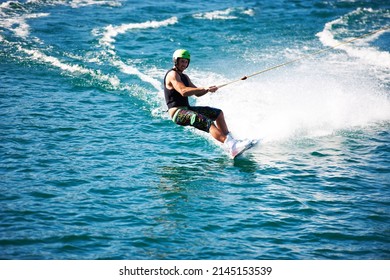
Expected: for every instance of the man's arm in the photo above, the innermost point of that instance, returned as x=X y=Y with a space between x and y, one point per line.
x=209 y=89
x=174 y=80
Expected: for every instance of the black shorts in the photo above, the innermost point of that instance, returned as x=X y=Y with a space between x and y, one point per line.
x=197 y=116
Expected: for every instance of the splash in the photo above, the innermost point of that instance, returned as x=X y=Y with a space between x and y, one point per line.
x=316 y=97
x=300 y=104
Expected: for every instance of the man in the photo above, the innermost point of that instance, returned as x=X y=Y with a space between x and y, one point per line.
x=178 y=87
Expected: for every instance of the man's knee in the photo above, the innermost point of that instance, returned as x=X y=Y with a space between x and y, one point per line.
x=220 y=115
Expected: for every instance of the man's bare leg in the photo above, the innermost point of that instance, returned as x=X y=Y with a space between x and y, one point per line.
x=217 y=133
x=221 y=124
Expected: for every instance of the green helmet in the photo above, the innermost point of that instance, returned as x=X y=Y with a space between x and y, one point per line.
x=181 y=53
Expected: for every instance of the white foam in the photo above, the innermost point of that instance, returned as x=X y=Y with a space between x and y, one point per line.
x=70 y=68
x=360 y=49
x=226 y=14
x=128 y=69
x=7 y=4
x=111 y=32
x=83 y=3
x=220 y=14
x=18 y=24
x=249 y=12
x=108 y=37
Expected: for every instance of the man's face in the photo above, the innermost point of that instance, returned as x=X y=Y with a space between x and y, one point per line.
x=182 y=64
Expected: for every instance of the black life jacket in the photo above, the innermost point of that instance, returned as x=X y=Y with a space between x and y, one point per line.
x=172 y=97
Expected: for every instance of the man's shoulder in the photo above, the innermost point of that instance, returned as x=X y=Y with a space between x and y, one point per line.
x=173 y=74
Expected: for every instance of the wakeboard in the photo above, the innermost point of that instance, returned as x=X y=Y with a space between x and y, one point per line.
x=250 y=145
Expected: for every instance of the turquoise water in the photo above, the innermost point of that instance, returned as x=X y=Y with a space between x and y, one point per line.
x=92 y=168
